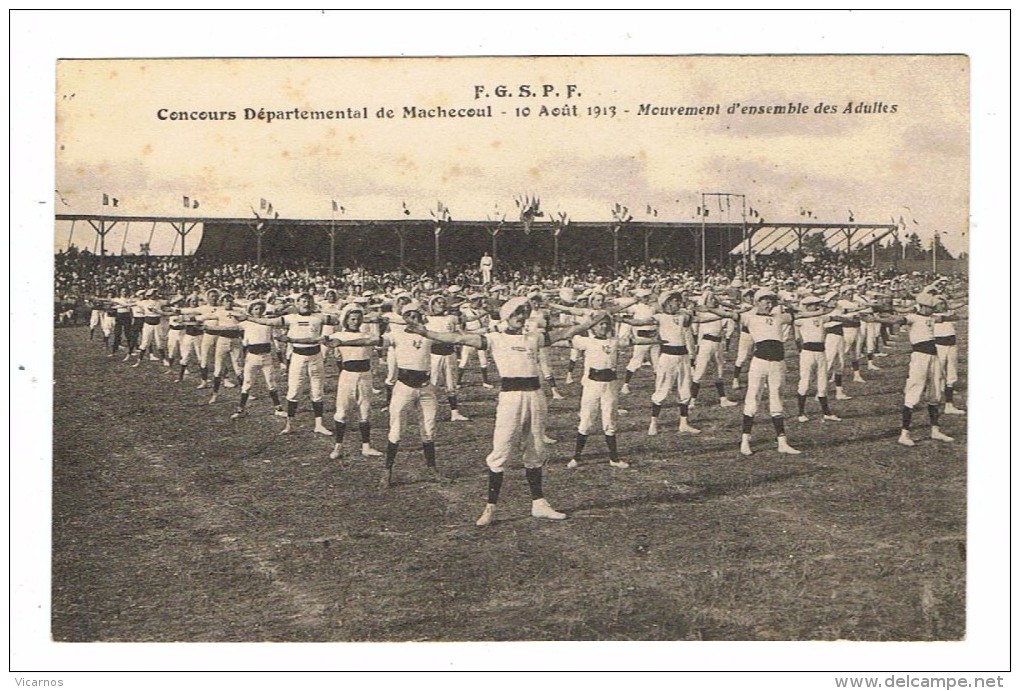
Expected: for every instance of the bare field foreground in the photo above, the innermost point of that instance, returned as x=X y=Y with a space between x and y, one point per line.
x=172 y=522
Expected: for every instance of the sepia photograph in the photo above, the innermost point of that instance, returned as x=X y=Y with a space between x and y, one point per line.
x=513 y=349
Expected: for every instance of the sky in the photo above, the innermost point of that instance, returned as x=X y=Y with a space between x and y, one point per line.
x=115 y=136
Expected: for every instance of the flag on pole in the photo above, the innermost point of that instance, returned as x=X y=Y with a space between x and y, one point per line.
x=194 y=203
x=336 y=207
x=115 y=201
x=407 y=211
x=187 y=203
x=106 y=199
x=262 y=204
x=269 y=207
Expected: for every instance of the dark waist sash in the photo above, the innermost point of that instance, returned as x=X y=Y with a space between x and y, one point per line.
x=258 y=348
x=519 y=384
x=834 y=330
x=193 y=330
x=307 y=350
x=855 y=324
x=441 y=348
x=769 y=350
x=601 y=374
x=224 y=333
x=673 y=350
x=357 y=365
x=945 y=340
x=412 y=377
x=712 y=337
x=177 y=327
x=646 y=333
x=814 y=347
x=111 y=313
x=152 y=321
x=927 y=347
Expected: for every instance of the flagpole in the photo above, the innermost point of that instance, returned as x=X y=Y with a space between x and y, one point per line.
x=704 y=209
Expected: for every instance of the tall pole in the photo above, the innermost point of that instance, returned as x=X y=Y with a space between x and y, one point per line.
x=703 y=210
x=743 y=230
x=934 y=252
x=438 y=231
x=556 y=248
x=616 y=247
x=332 y=247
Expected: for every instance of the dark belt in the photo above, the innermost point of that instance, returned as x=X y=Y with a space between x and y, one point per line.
x=307 y=350
x=357 y=365
x=601 y=374
x=519 y=384
x=442 y=349
x=151 y=321
x=258 y=348
x=769 y=350
x=177 y=327
x=673 y=350
x=712 y=337
x=224 y=333
x=926 y=347
x=814 y=347
x=412 y=377
x=945 y=340
x=856 y=324
x=834 y=330
x=646 y=333
x=193 y=330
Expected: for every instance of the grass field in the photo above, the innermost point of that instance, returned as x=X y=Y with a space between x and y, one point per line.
x=171 y=522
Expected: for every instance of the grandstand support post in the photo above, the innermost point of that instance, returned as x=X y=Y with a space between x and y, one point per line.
x=332 y=248
x=704 y=271
x=435 y=246
x=647 y=233
x=616 y=247
x=123 y=241
x=873 y=262
x=743 y=234
x=70 y=235
x=556 y=249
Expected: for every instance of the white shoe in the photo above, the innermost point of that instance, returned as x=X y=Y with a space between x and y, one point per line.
x=548 y=440
x=727 y=403
x=881 y=354
x=321 y=429
x=625 y=389
x=384 y=409
x=227 y=384
x=686 y=428
x=166 y=363
x=487 y=517
x=487 y=385
x=280 y=413
x=570 y=378
x=690 y=406
x=153 y=357
x=287 y=429
x=127 y=357
x=745 y=448
x=376 y=391
x=337 y=452
x=786 y=448
x=137 y=364
x=735 y=384
x=619 y=464
x=905 y=439
x=953 y=410
x=557 y=396
x=840 y=396
x=653 y=428
x=203 y=385
x=832 y=418
x=215 y=397
x=939 y=435
x=455 y=416
x=858 y=378
x=803 y=418
x=873 y=367
x=540 y=509
x=572 y=463
x=237 y=414
x=367 y=450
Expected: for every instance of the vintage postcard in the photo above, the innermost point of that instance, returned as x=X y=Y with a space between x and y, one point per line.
x=649 y=348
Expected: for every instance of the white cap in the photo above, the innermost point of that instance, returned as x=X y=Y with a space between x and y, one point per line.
x=764 y=293
x=511 y=306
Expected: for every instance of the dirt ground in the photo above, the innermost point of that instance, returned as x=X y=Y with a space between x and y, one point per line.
x=172 y=522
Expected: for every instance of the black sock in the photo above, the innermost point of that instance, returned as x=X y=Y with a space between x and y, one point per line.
x=552 y=382
x=949 y=394
x=485 y=376
x=317 y=408
x=907 y=412
x=933 y=414
x=365 y=428
x=181 y=373
x=391 y=452
x=579 y=445
x=389 y=395
x=452 y=400
x=339 y=428
x=205 y=373
x=777 y=422
x=571 y=364
x=839 y=380
x=216 y=384
x=244 y=400
x=275 y=397
x=291 y=408
x=626 y=377
x=736 y=371
x=611 y=443
x=824 y=402
x=429 y=449
x=534 y=476
x=855 y=365
x=720 y=390
x=695 y=389
x=495 y=484
x=460 y=376
x=656 y=409
x=685 y=408
x=747 y=424
x=801 y=400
